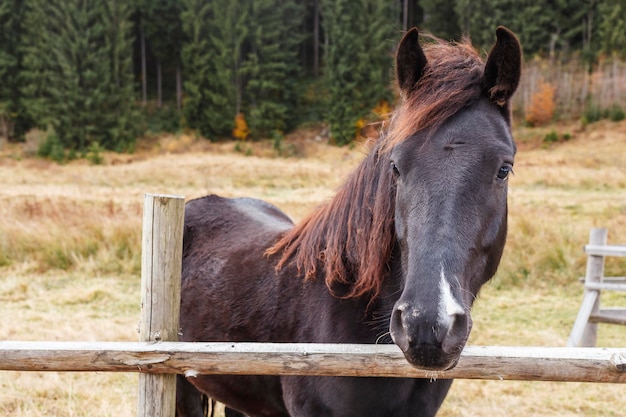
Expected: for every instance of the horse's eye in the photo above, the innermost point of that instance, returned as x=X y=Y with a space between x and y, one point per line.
x=504 y=172
x=396 y=172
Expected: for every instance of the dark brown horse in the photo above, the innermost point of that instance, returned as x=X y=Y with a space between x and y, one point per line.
x=397 y=256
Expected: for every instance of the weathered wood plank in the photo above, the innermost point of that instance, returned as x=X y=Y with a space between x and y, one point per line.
x=608 y=280
x=576 y=337
x=161 y=259
x=605 y=250
x=477 y=362
x=605 y=286
x=593 y=275
x=609 y=316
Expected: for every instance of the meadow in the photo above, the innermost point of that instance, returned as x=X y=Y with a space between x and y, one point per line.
x=70 y=238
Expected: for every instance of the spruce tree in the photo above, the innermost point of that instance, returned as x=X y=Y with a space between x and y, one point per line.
x=14 y=121
x=480 y=18
x=196 y=59
x=78 y=71
x=545 y=27
x=380 y=35
x=8 y=62
x=212 y=58
x=357 y=61
x=271 y=69
x=612 y=27
x=441 y=18
x=531 y=24
x=340 y=62
x=121 y=118
x=161 y=22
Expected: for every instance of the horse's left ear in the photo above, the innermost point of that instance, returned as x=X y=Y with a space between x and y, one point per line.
x=503 y=68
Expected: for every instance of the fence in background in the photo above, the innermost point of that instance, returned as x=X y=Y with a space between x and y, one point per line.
x=584 y=332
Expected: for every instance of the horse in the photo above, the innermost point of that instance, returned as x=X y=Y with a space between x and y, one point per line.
x=398 y=255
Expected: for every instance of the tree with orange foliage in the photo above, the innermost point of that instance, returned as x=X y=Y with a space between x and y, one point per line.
x=241 y=130
x=540 y=110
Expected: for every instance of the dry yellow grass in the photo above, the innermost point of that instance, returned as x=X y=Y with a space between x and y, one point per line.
x=70 y=239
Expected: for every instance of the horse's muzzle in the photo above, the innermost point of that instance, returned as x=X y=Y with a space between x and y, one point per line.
x=430 y=340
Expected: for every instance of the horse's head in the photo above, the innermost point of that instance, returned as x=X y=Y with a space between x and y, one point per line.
x=451 y=174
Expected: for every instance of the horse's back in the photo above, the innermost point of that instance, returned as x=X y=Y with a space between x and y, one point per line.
x=229 y=291
x=226 y=276
x=213 y=217
x=219 y=229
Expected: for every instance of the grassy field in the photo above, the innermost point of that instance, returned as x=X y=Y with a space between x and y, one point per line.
x=70 y=256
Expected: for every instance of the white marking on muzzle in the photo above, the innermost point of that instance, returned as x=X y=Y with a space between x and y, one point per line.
x=448 y=305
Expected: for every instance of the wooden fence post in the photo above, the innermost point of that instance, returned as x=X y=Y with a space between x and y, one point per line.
x=584 y=333
x=162 y=237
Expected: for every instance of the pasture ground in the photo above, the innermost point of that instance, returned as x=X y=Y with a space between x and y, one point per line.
x=70 y=239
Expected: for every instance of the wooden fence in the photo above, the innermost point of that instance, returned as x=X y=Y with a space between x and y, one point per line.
x=163 y=358
x=585 y=328
x=158 y=357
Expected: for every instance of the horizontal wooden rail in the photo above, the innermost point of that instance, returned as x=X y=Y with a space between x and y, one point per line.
x=608 y=280
x=605 y=250
x=610 y=315
x=477 y=362
x=605 y=286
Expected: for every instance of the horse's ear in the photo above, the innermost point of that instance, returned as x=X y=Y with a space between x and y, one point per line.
x=410 y=61
x=503 y=68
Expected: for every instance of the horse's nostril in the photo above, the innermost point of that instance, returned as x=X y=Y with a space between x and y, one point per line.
x=397 y=328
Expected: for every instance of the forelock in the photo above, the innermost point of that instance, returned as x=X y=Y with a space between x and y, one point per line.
x=450 y=82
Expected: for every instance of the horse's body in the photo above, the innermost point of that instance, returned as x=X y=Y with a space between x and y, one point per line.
x=397 y=256
x=262 y=306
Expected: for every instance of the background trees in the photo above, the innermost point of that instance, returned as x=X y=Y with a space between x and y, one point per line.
x=271 y=70
x=357 y=59
x=210 y=57
x=612 y=27
x=104 y=71
x=161 y=27
x=77 y=71
x=14 y=121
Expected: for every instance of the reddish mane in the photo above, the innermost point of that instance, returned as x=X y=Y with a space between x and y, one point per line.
x=350 y=239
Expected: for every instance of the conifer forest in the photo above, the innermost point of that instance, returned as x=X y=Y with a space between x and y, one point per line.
x=104 y=72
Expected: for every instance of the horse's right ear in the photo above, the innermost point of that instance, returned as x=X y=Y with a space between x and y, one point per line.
x=410 y=61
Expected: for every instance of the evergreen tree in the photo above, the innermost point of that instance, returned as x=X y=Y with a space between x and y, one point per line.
x=271 y=68
x=543 y=26
x=479 y=19
x=13 y=119
x=212 y=58
x=411 y=13
x=357 y=60
x=78 y=71
x=440 y=18
x=8 y=62
x=196 y=59
x=532 y=24
x=572 y=26
x=341 y=51
x=161 y=23
x=120 y=121
x=376 y=59
x=612 y=27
